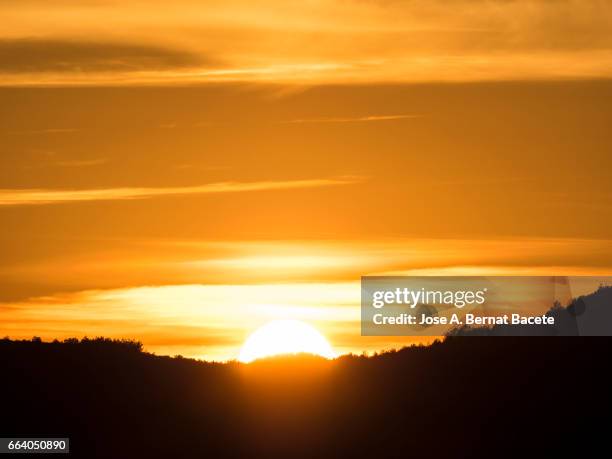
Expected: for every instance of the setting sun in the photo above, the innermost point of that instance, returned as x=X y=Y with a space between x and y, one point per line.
x=284 y=337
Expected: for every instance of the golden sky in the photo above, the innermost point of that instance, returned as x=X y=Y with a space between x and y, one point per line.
x=313 y=41
x=180 y=172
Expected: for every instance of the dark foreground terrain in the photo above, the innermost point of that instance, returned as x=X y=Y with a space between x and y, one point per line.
x=465 y=397
x=469 y=396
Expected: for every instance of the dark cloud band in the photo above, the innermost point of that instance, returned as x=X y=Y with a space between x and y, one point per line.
x=40 y=55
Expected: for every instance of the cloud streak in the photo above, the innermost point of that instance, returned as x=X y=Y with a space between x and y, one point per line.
x=43 y=55
x=25 y=197
x=46 y=131
x=83 y=163
x=361 y=119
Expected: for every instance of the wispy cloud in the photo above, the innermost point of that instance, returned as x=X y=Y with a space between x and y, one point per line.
x=83 y=163
x=12 y=197
x=205 y=167
x=45 y=131
x=360 y=119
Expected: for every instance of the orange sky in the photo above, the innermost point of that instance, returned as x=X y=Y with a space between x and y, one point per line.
x=181 y=172
x=314 y=41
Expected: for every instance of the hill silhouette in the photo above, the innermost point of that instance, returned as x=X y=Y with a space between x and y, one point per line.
x=463 y=396
x=460 y=397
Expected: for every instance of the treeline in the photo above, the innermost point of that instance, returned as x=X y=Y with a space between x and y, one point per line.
x=467 y=397
x=124 y=345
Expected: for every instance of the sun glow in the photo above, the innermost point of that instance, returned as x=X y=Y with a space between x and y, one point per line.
x=284 y=337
